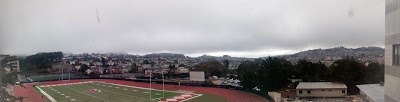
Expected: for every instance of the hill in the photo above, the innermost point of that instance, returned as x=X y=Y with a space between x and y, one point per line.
x=327 y=56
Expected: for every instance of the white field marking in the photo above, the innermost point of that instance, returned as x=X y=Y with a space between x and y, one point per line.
x=197 y=95
x=188 y=96
x=139 y=87
x=42 y=86
x=134 y=90
x=86 y=94
x=147 y=88
x=125 y=89
x=179 y=97
x=47 y=95
x=62 y=94
x=136 y=100
x=145 y=92
x=114 y=92
x=73 y=99
x=67 y=97
x=171 y=99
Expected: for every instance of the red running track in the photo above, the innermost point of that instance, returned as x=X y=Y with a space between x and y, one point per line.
x=230 y=95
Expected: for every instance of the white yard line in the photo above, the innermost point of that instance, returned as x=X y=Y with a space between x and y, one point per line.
x=87 y=94
x=198 y=95
x=53 y=100
x=137 y=87
x=120 y=94
x=47 y=95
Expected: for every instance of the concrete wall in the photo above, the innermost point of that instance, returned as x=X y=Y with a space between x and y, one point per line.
x=320 y=93
x=275 y=96
x=392 y=37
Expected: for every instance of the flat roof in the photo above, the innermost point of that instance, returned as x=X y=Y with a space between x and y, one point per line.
x=320 y=85
x=373 y=91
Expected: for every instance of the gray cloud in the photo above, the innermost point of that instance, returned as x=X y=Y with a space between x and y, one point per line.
x=240 y=28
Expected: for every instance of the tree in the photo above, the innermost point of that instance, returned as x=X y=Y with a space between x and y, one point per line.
x=348 y=71
x=248 y=75
x=266 y=74
x=374 y=73
x=6 y=79
x=103 y=62
x=275 y=73
x=41 y=62
x=181 y=65
x=91 y=64
x=83 y=68
x=134 y=68
x=226 y=63
x=146 y=62
x=212 y=68
x=309 y=71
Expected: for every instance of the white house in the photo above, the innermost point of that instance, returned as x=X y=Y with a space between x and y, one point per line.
x=321 y=89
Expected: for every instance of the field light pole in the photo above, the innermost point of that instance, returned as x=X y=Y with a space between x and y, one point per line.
x=150 y=83
x=69 y=74
x=62 y=74
x=162 y=73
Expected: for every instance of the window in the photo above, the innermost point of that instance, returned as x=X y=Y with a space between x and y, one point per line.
x=300 y=92
x=330 y=90
x=323 y=90
x=396 y=55
x=309 y=91
x=343 y=91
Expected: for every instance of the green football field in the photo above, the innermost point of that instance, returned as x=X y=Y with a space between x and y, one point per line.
x=106 y=92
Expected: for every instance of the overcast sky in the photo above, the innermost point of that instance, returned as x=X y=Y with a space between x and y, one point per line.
x=242 y=28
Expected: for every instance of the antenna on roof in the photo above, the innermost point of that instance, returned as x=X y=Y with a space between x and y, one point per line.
x=98 y=17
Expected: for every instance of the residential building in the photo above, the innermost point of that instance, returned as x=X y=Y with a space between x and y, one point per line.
x=12 y=66
x=182 y=70
x=321 y=89
x=392 y=51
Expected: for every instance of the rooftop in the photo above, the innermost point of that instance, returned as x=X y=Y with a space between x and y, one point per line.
x=320 y=85
x=373 y=91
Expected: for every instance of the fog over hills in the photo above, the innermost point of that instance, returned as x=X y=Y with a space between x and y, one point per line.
x=327 y=56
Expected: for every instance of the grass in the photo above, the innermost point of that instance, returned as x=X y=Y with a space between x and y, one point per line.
x=47 y=99
x=109 y=93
